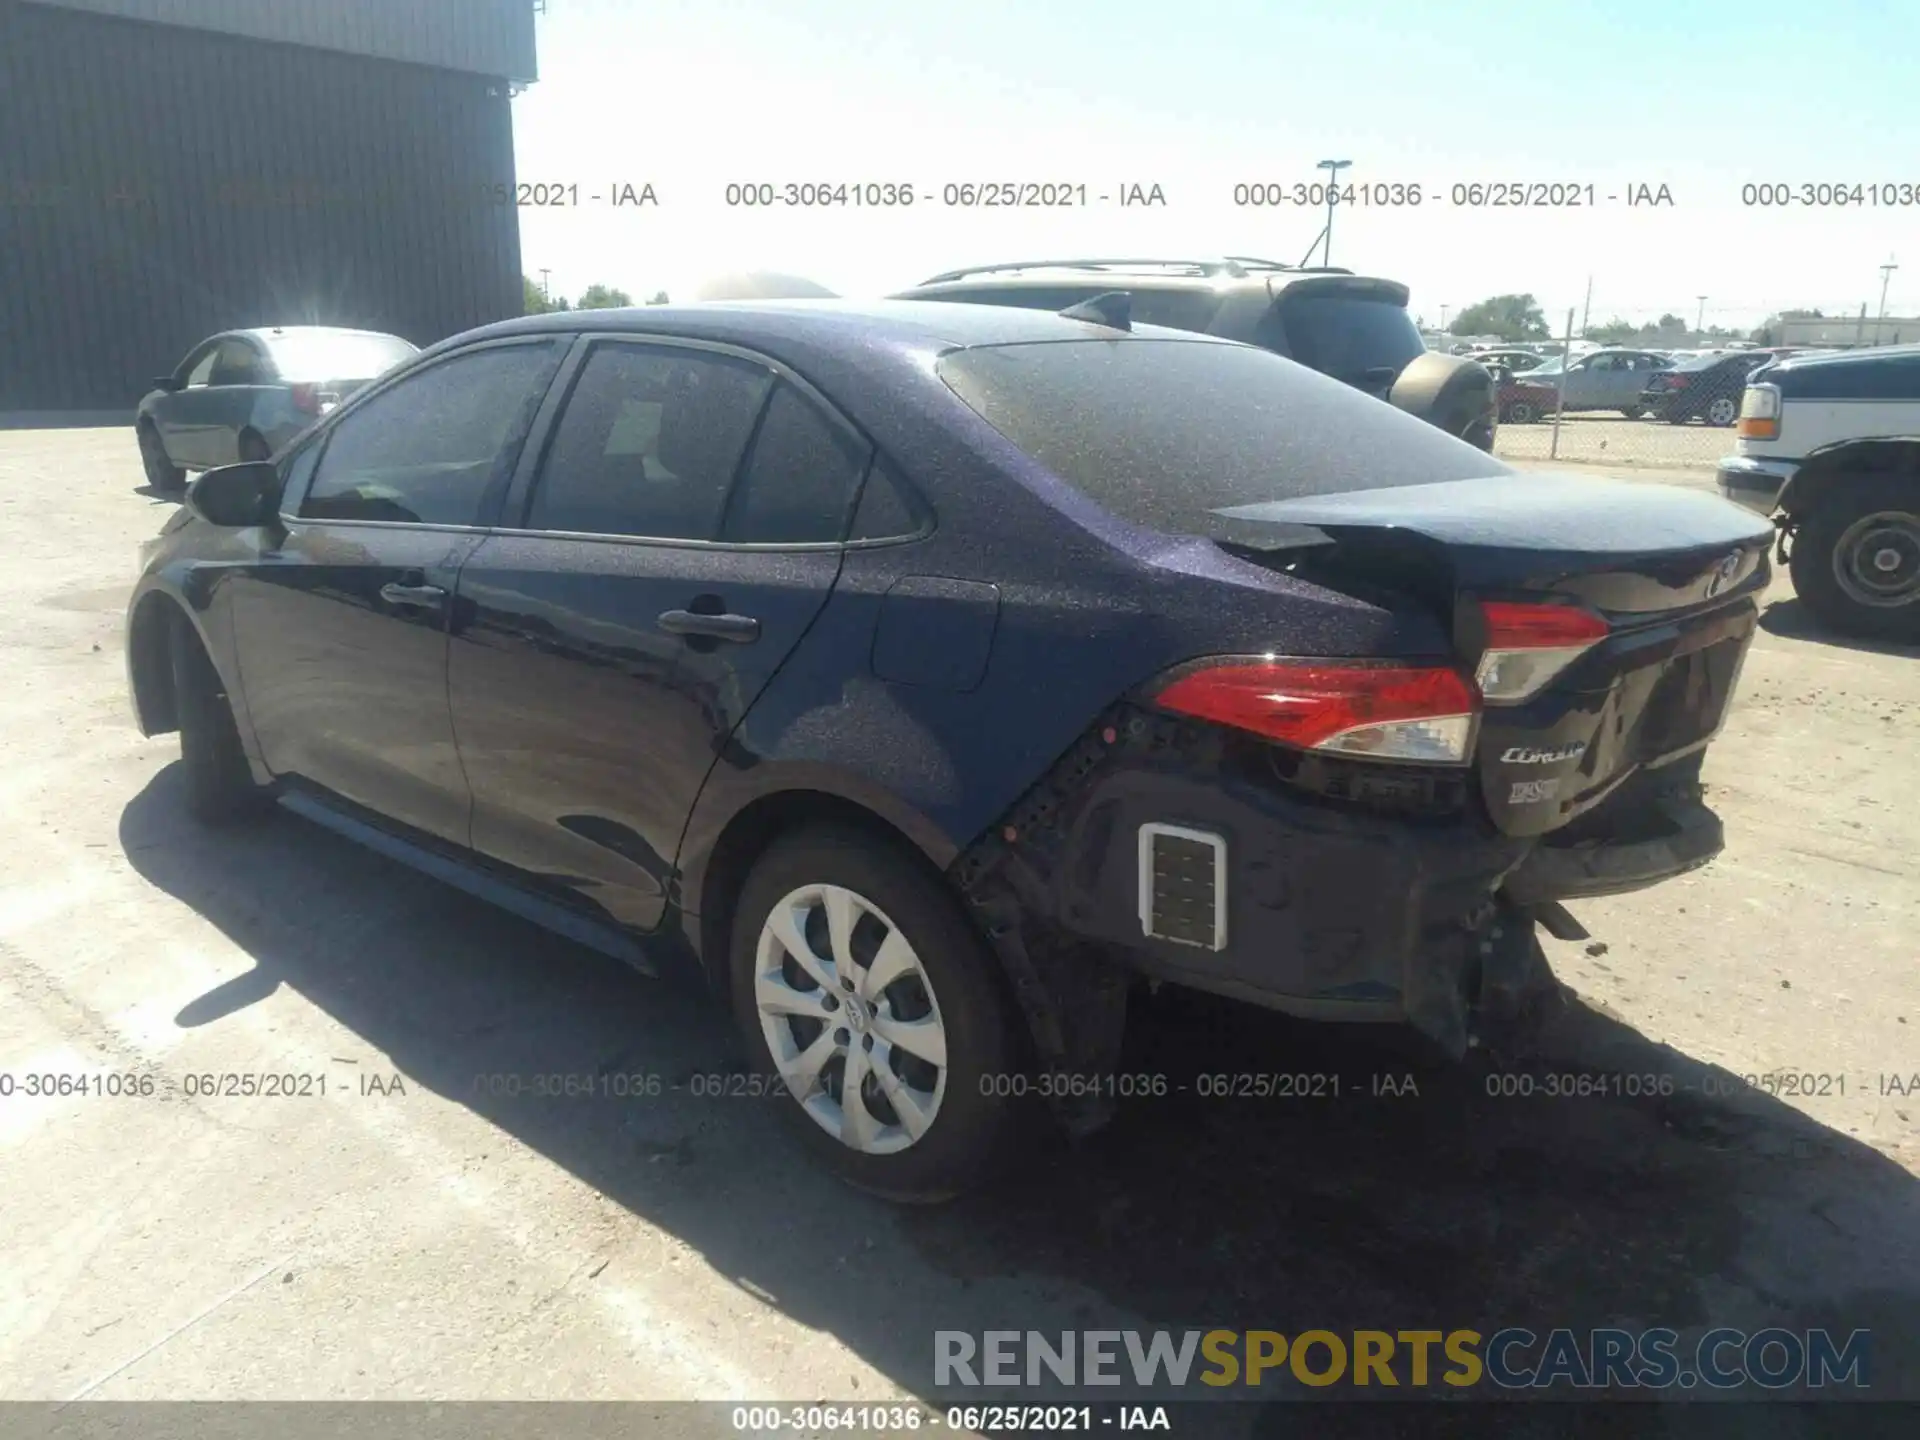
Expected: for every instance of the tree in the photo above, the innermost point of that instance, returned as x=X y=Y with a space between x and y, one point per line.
x=1615 y=332
x=602 y=297
x=659 y=298
x=1511 y=317
x=536 y=301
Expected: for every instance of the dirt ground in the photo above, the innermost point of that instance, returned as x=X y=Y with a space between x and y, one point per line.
x=1606 y=438
x=417 y=1232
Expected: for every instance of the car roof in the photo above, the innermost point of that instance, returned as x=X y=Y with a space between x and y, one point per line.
x=1264 y=277
x=267 y=334
x=1811 y=358
x=915 y=324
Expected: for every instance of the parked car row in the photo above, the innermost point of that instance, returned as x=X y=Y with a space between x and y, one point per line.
x=243 y=394
x=933 y=674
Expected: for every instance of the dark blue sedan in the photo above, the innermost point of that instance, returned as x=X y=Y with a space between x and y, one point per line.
x=929 y=674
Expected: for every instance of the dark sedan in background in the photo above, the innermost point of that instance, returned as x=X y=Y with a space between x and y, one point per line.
x=929 y=673
x=243 y=394
x=1706 y=387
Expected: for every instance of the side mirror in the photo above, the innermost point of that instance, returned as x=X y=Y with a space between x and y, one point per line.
x=166 y=383
x=237 y=496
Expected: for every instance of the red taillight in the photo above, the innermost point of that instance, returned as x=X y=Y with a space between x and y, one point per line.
x=1679 y=382
x=306 y=398
x=1382 y=712
x=1528 y=644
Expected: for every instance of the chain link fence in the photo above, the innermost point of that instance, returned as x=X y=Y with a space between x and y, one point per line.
x=1657 y=387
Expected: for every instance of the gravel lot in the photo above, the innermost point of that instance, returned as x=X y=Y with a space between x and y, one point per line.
x=1606 y=439
x=414 y=1234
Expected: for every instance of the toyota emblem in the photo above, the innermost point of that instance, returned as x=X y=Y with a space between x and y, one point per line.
x=1724 y=574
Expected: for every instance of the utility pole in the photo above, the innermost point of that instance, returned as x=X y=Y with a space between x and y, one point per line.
x=1886 y=274
x=1700 y=319
x=543 y=286
x=1333 y=169
x=1443 y=318
x=1587 y=308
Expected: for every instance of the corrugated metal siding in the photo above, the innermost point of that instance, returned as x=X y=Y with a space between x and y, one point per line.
x=158 y=184
x=484 y=37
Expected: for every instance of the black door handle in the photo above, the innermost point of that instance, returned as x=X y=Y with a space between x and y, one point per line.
x=740 y=629
x=431 y=596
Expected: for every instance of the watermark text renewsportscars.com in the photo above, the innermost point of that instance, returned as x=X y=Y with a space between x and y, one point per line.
x=1510 y=1358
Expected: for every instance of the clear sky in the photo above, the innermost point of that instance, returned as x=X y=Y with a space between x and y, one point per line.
x=1703 y=96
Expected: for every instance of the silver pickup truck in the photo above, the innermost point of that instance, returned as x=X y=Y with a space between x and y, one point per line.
x=1829 y=445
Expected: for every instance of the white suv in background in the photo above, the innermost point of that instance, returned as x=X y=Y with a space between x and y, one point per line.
x=1829 y=444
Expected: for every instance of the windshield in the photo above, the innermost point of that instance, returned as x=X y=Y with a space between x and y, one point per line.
x=1162 y=431
x=1546 y=367
x=336 y=355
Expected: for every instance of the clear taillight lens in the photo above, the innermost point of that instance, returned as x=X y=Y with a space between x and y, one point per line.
x=1528 y=644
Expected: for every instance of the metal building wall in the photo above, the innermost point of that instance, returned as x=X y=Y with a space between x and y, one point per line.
x=487 y=37
x=158 y=184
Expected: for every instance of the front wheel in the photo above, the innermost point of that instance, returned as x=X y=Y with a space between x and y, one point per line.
x=1633 y=412
x=162 y=474
x=859 y=982
x=1856 y=558
x=220 y=786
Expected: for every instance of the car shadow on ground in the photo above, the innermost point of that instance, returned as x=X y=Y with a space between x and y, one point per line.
x=1415 y=1199
x=1791 y=620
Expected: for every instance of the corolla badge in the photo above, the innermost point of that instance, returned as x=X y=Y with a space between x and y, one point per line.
x=1724 y=574
x=1542 y=754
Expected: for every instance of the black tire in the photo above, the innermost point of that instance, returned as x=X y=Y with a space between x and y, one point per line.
x=1521 y=412
x=971 y=1126
x=220 y=787
x=253 y=446
x=1633 y=412
x=1835 y=549
x=1721 y=411
x=162 y=474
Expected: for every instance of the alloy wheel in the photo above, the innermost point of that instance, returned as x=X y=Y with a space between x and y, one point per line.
x=850 y=1018
x=1722 y=411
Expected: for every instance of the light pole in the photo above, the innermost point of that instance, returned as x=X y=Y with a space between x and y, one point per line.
x=1886 y=274
x=1333 y=169
x=544 y=291
x=1700 y=318
x=1443 y=318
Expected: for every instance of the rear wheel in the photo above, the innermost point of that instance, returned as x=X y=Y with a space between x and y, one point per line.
x=1722 y=410
x=1521 y=412
x=162 y=473
x=1856 y=557
x=1633 y=412
x=859 y=982
x=220 y=788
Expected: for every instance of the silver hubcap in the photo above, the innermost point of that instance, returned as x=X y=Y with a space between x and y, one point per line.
x=850 y=1019
x=1721 y=412
x=1877 y=561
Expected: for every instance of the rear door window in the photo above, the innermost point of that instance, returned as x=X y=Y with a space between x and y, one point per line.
x=1162 y=431
x=649 y=443
x=799 y=480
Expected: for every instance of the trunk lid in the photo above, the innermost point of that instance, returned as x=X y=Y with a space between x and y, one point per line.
x=1674 y=572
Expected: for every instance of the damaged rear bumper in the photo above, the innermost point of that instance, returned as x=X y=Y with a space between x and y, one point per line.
x=1174 y=850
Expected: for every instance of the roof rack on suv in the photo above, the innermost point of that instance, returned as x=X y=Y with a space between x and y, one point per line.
x=1233 y=265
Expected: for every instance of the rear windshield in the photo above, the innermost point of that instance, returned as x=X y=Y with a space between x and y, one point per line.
x=1161 y=431
x=324 y=356
x=1345 y=336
